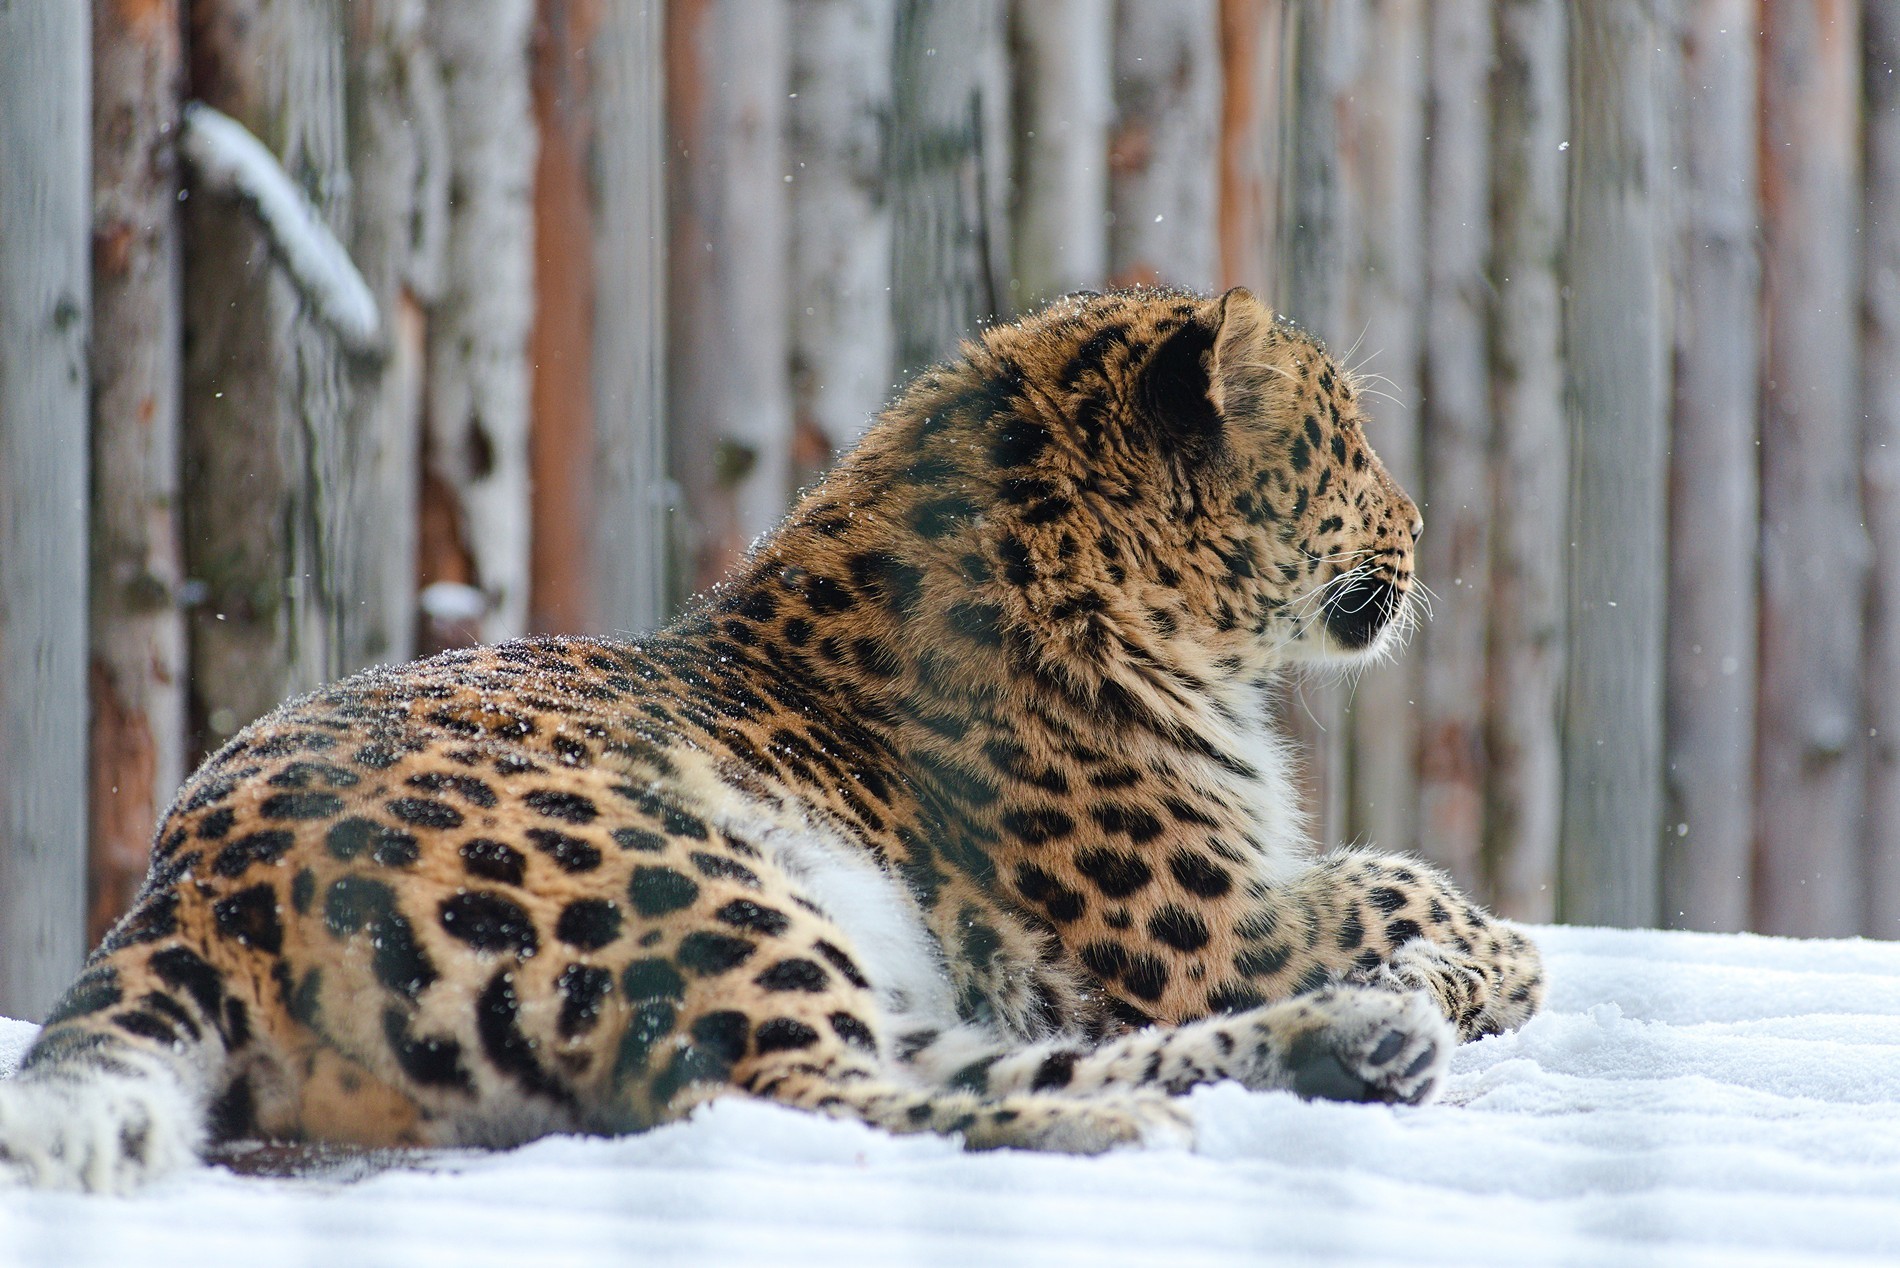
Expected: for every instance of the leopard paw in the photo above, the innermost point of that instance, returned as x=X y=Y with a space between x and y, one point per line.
x=1356 y=1044
x=1084 y=1125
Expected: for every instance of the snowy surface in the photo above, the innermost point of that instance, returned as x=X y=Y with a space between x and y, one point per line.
x=1685 y=1099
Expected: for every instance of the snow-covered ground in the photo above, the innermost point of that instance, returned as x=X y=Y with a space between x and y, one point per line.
x=1685 y=1099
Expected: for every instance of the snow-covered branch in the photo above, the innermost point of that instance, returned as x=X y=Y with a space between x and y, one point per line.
x=229 y=160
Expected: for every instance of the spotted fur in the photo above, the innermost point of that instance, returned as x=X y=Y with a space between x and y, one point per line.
x=956 y=808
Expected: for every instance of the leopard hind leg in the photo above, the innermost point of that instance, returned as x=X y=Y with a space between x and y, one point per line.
x=1341 y=1043
x=121 y=1082
x=1054 y=1124
x=824 y=1052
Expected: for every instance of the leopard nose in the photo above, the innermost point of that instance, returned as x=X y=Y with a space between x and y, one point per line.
x=1418 y=527
x=1356 y=613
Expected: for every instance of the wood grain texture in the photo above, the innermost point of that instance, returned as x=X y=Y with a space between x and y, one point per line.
x=1617 y=334
x=1455 y=500
x=1714 y=498
x=560 y=349
x=728 y=382
x=1063 y=53
x=634 y=501
x=949 y=168
x=1880 y=447
x=1253 y=35
x=1813 y=543
x=45 y=211
x=397 y=155
x=478 y=378
x=137 y=630
x=1164 y=169
x=841 y=311
x=1530 y=104
x=266 y=393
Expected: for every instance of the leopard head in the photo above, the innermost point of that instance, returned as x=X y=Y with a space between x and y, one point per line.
x=1284 y=452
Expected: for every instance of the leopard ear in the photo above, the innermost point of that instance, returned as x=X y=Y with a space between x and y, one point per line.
x=1238 y=373
x=1176 y=386
x=1207 y=372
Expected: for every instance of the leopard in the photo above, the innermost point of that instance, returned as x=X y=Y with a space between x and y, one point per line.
x=959 y=806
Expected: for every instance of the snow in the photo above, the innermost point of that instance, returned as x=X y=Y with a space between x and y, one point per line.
x=229 y=160
x=1684 y=1099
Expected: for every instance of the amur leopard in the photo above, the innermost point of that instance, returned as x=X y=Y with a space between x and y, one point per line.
x=955 y=808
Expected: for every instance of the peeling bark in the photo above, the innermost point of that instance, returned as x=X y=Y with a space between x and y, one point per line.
x=137 y=630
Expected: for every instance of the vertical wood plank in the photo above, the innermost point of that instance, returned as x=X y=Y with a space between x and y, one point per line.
x=1454 y=553
x=45 y=210
x=1709 y=822
x=265 y=392
x=479 y=380
x=842 y=334
x=1389 y=124
x=137 y=630
x=1617 y=335
x=728 y=378
x=949 y=160
x=1880 y=405
x=397 y=153
x=1164 y=166
x=477 y=346
x=1252 y=53
x=560 y=347
x=1530 y=100
x=1808 y=760
x=632 y=493
x=1064 y=57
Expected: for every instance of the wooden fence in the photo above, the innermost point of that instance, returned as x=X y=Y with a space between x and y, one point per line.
x=1624 y=277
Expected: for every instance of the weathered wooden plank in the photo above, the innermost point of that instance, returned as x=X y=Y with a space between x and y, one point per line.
x=478 y=377
x=1389 y=125
x=1813 y=544
x=398 y=160
x=560 y=348
x=632 y=493
x=45 y=211
x=1709 y=823
x=1454 y=553
x=1530 y=103
x=727 y=359
x=949 y=162
x=1252 y=52
x=137 y=629
x=1880 y=446
x=1164 y=157
x=1064 y=57
x=266 y=393
x=1617 y=335
x=842 y=332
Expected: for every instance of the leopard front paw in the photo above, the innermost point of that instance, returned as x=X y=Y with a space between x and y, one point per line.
x=1357 y=1044
x=1480 y=997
